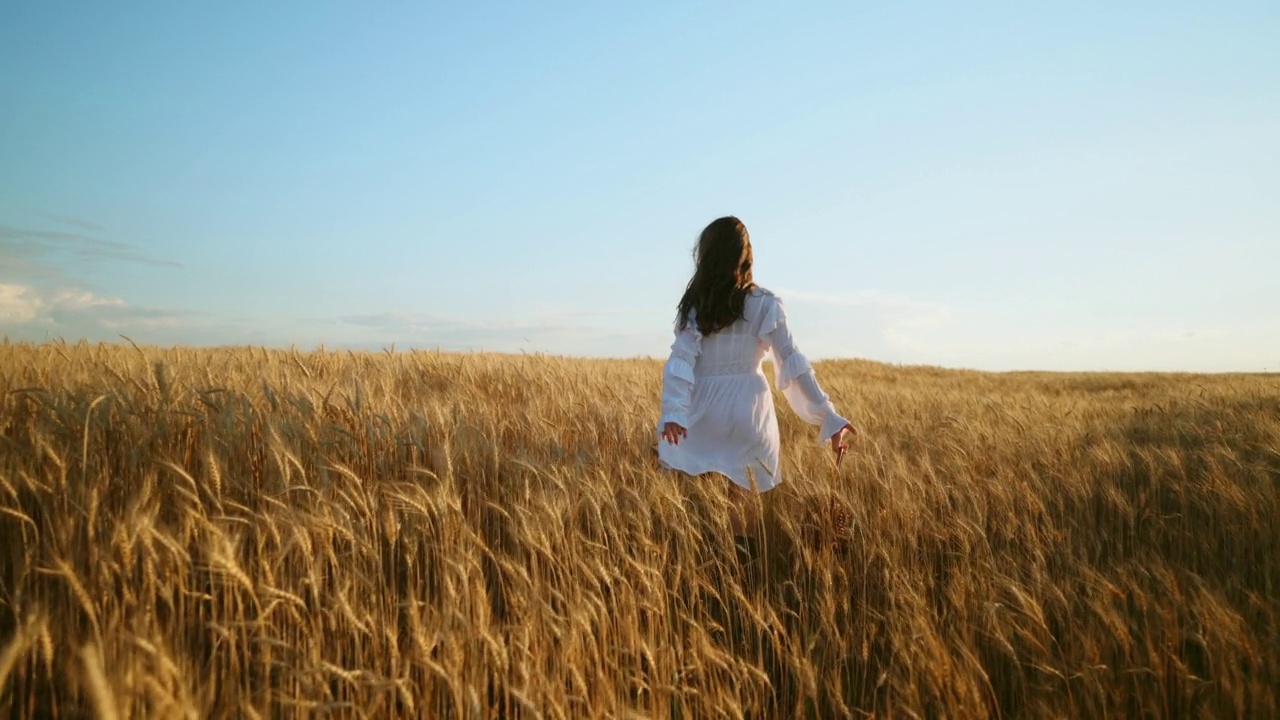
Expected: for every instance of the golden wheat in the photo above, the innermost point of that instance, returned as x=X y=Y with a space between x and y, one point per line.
x=257 y=533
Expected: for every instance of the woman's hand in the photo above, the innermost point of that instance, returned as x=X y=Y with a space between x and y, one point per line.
x=672 y=432
x=838 y=444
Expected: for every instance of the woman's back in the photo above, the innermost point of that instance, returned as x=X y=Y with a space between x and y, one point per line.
x=738 y=348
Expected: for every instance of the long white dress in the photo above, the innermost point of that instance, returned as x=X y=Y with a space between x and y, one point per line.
x=715 y=387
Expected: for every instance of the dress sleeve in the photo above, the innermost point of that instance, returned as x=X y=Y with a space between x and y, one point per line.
x=795 y=377
x=677 y=375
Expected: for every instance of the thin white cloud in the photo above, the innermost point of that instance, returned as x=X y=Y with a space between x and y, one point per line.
x=30 y=312
x=56 y=247
x=41 y=295
x=69 y=299
x=19 y=304
x=905 y=331
x=72 y=221
x=417 y=324
x=37 y=312
x=988 y=345
x=864 y=324
x=918 y=312
x=562 y=335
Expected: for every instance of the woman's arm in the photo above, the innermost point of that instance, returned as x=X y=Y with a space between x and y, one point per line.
x=677 y=382
x=795 y=378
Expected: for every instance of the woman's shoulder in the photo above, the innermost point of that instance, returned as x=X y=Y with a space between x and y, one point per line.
x=764 y=297
x=762 y=310
x=761 y=301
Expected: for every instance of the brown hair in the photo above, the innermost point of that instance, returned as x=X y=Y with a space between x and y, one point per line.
x=722 y=278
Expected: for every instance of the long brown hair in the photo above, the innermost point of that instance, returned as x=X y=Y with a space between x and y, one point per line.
x=722 y=277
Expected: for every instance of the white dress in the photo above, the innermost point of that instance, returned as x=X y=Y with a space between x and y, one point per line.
x=715 y=387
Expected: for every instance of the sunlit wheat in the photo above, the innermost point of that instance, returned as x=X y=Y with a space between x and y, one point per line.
x=257 y=533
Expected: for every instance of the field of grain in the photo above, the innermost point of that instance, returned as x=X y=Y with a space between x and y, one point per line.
x=261 y=533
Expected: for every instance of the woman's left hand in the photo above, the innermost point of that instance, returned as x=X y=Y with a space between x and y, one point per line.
x=672 y=432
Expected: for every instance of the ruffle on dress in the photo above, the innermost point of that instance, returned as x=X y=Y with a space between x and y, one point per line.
x=772 y=318
x=795 y=365
x=681 y=361
x=684 y=354
x=685 y=349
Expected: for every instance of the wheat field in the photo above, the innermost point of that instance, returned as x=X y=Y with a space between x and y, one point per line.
x=268 y=533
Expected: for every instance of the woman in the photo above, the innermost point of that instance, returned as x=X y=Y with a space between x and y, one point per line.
x=717 y=411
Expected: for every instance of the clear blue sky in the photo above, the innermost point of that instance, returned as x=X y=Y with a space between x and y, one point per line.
x=1000 y=185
